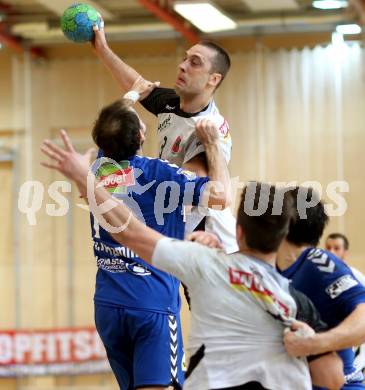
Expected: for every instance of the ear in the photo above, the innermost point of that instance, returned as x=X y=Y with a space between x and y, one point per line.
x=215 y=79
x=239 y=233
x=143 y=137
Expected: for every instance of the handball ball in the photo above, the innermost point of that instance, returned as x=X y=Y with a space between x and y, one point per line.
x=78 y=20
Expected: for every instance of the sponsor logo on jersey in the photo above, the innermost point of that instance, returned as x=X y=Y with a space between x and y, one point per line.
x=176 y=145
x=116 y=178
x=341 y=285
x=224 y=130
x=164 y=124
x=137 y=269
x=251 y=282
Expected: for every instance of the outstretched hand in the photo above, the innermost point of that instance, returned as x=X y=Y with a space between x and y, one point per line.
x=73 y=165
x=99 y=42
x=144 y=87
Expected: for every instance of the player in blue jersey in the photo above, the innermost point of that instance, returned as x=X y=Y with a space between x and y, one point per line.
x=136 y=305
x=328 y=282
x=240 y=303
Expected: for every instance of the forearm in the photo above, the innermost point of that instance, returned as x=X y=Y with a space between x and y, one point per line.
x=218 y=173
x=347 y=334
x=124 y=74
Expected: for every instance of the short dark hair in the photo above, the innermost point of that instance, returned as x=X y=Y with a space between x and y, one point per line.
x=335 y=236
x=264 y=230
x=117 y=131
x=309 y=229
x=221 y=61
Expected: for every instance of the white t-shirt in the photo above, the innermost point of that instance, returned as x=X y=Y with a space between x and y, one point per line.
x=178 y=144
x=236 y=304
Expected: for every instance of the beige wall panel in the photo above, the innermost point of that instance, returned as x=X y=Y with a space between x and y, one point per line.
x=8 y=384
x=7 y=266
x=6 y=97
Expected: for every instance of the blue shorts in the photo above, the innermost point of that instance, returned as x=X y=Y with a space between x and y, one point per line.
x=144 y=348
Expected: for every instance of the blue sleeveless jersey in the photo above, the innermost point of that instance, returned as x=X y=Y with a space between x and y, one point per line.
x=334 y=290
x=155 y=191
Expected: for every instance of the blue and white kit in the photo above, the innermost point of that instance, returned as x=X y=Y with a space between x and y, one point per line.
x=136 y=305
x=335 y=291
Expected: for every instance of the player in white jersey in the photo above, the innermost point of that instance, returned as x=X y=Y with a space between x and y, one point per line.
x=199 y=74
x=240 y=304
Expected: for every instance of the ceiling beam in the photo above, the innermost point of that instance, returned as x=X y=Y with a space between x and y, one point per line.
x=5 y=8
x=359 y=7
x=11 y=41
x=16 y=44
x=169 y=17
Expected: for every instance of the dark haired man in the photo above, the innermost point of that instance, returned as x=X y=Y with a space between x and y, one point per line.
x=338 y=244
x=328 y=282
x=203 y=68
x=240 y=304
x=136 y=305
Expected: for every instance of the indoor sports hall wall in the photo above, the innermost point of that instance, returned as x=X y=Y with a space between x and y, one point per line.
x=295 y=115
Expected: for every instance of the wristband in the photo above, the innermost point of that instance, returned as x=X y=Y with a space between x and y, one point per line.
x=132 y=95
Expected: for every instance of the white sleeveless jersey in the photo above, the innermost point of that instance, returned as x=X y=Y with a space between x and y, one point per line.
x=178 y=144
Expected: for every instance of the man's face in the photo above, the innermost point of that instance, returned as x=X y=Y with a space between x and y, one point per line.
x=337 y=247
x=194 y=72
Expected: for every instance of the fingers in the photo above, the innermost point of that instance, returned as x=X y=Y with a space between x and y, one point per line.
x=100 y=26
x=49 y=165
x=54 y=148
x=47 y=150
x=208 y=239
x=66 y=141
x=296 y=325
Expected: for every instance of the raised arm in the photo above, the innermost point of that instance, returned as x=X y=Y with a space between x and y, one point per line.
x=124 y=74
x=218 y=189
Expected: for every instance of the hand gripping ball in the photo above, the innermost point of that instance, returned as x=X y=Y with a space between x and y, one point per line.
x=78 y=20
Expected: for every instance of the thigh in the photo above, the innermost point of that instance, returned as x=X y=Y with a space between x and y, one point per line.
x=109 y=323
x=158 y=351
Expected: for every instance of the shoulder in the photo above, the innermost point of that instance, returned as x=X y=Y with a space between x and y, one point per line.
x=161 y=100
x=155 y=167
x=331 y=272
x=325 y=262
